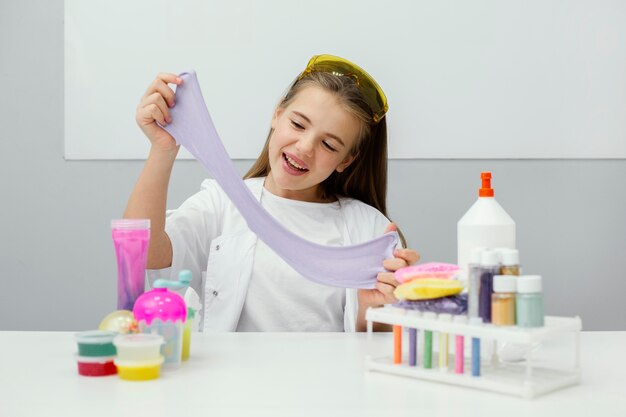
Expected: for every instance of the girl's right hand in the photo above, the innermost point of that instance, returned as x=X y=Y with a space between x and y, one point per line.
x=154 y=107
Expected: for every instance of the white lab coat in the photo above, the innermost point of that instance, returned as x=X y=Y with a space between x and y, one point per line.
x=210 y=238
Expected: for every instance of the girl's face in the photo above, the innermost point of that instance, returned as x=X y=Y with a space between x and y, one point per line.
x=312 y=138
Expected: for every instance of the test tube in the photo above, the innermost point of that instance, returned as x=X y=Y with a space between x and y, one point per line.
x=412 y=347
x=459 y=356
x=475 y=356
x=475 y=321
x=474 y=272
x=443 y=344
x=428 y=342
x=413 y=341
x=397 y=344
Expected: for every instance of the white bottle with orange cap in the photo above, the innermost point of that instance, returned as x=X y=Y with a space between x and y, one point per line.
x=485 y=224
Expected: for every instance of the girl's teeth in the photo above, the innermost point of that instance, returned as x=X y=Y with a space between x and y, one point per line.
x=293 y=163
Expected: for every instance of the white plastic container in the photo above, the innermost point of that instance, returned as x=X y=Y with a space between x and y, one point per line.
x=138 y=347
x=485 y=224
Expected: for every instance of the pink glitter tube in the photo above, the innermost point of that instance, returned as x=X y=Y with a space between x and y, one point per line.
x=130 y=238
x=459 y=356
x=459 y=362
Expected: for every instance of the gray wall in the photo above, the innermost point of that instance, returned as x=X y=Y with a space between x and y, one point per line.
x=56 y=246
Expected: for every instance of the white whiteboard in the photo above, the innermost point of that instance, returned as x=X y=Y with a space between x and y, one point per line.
x=464 y=79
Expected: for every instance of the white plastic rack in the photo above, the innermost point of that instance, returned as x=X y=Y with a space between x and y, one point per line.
x=536 y=374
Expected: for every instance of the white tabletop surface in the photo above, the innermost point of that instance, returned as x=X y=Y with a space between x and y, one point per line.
x=284 y=374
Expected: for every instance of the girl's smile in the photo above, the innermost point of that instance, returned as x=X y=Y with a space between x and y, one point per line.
x=294 y=166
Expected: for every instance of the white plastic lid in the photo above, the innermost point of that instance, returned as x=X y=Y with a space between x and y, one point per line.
x=509 y=257
x=489 y=257
x=528 y=284
x=130 y=224
x=504 y=283
x=93 y=359
x=460 y=319
x=95 y=337
x=138 y=340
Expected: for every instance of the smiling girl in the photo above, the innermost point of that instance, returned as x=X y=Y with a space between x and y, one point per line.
x=322 y=173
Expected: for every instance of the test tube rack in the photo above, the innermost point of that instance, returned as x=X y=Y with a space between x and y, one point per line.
x=527 y=378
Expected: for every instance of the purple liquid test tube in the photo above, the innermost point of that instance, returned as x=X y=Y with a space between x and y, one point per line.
x=412 y=347
x=130 y=238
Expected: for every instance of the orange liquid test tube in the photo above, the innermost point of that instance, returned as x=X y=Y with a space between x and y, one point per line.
x=397 y=344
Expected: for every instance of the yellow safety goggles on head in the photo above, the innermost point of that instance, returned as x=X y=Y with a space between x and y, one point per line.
x=373 y=94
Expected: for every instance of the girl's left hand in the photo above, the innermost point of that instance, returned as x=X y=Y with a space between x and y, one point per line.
x=386 y=281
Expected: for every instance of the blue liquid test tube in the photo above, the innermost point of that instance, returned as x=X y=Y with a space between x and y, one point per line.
x=476 y=321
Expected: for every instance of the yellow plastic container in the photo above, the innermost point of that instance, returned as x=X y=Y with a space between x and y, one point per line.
x=139 y=370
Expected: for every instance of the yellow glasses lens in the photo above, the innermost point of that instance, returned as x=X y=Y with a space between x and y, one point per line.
x=370 y=89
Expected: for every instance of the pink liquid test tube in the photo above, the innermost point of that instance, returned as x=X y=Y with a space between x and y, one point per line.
x=130 y=238
x=459 y=354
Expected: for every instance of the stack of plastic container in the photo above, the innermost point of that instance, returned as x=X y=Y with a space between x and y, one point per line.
x=138 y=356
x=96 y=353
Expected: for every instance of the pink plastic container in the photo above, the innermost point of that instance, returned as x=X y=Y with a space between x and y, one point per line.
x=161 y=311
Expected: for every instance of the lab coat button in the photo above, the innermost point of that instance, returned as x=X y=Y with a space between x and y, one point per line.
x=217 y=247
x=215 y=293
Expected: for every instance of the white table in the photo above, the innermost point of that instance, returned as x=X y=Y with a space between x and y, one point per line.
x=283 y=374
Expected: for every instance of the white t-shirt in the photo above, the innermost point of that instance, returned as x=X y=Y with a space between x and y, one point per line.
x=211 y=239
x=278 y=298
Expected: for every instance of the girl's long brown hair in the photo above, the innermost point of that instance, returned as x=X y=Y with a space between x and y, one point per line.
x=365 y=179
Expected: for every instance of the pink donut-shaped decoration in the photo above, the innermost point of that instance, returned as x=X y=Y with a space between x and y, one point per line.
x=427 y=270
